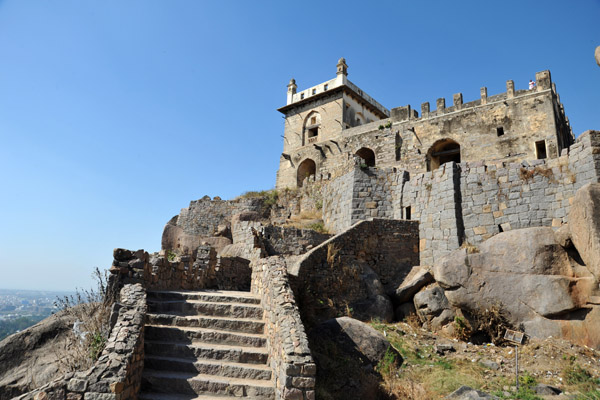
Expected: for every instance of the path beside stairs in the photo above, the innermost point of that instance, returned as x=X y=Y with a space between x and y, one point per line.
x=206 y=344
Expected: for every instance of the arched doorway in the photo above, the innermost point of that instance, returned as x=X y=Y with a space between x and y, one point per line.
x=441 y=152
x=368 y=155
x=305 y=169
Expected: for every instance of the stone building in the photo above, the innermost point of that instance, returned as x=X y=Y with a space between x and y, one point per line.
x=328 y=124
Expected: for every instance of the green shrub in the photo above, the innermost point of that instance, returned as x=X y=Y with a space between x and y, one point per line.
x=318 y=226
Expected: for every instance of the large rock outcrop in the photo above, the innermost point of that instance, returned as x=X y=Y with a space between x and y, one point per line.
x=530 y=276
x=584 y=226
x=30 y=358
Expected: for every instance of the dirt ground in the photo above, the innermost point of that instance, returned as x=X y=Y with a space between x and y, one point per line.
x=435 y=365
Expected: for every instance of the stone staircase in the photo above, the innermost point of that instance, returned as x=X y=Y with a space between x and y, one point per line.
x=205 y=345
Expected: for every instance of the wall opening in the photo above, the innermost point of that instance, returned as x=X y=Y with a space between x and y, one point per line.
x=407 y=212
x=540 y=149
x=368 y=155
x=441 y=152
x=306 y=168
x=398 y=145
x=500 y=131
x=312 y=123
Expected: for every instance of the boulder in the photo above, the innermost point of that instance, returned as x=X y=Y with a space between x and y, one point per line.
x=584 y=226
x=525 y=272
x=433 y=307
x=346 y=352
x=376 y=305
x=563 y=236
x=356 y=338
x=416 y=279
x=546 y=390
x=467 y=393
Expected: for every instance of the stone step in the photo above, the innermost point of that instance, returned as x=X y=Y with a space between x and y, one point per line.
x=246 y=325
x=197 y=307
x=208 y=367
x=190 y=334
x=189 y=383
x=167 y=396
x=207 y=351
x=215 y=296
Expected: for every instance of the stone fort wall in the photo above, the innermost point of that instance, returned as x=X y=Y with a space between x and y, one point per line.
x=467 y=202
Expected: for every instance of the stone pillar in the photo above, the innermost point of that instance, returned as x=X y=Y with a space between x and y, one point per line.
x=483 y=92
x=440 y=104
x=400 y=113
x=510 y=89
x=291 y=90
x=342 y=68
x=425 y=110
x=543 y=80
x=457 y=99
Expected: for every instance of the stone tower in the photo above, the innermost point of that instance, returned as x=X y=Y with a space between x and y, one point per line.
x=314 y=120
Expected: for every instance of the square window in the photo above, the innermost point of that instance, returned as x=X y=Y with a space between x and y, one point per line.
x=314 y=91
x=326 y=87
x=500 y=131
x=301 y=96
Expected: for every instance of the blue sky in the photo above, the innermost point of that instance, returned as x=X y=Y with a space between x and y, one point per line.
x=115 y=114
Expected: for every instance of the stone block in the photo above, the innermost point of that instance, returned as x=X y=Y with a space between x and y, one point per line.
x=480 y=230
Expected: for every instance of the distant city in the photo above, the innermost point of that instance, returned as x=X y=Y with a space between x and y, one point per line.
x=20 y=309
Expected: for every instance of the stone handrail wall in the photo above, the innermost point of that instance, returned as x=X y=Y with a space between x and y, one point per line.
x=117 y=373
x=158 y=272
x=293 y=366
x=328 y=281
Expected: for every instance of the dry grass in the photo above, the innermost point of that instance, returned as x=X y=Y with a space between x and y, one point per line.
x=471 y=248
x=91 y=311
x=333 y=252
x=528 y=174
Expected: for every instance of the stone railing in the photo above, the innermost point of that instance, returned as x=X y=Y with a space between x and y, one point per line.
x=117 y=373
x=293 y=366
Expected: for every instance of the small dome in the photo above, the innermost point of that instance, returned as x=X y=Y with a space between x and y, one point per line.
x=292 y=81
x=342 y=61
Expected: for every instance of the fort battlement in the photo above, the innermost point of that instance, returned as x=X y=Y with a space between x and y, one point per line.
x=323 y=135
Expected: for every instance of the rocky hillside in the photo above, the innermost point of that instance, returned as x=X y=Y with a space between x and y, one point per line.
x=31 y=358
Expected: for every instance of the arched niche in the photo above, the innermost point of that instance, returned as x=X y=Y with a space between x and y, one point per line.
x=311 y=128
x=306 y=168
x=441 y=152
x=368 y=155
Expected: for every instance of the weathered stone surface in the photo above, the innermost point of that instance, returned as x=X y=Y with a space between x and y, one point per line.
x=416 y=279
x=376 y=305
x=584 y=226
x=290 y=357
x=33 y=352
x=563 y=236
x=346 y=351
x=467 y=393
x=433 y=307
x=355 y=337
x=528 y=274
x=339 y=274
x=546 y=390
